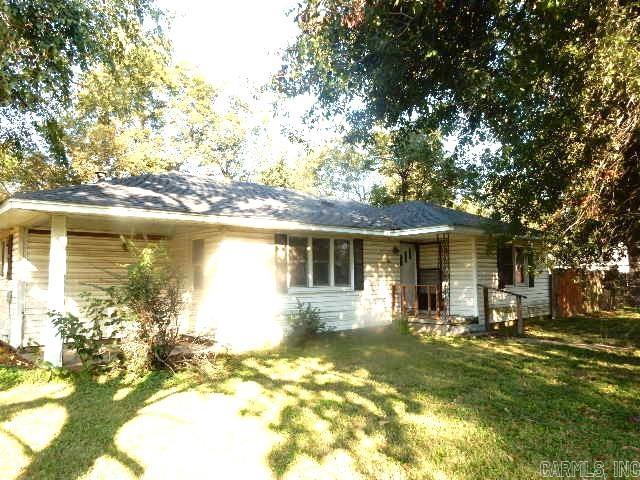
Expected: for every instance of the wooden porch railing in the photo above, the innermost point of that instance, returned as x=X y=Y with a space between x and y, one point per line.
x=405 y=298
x=487 y=306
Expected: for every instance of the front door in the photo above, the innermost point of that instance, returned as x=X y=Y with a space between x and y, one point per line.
x=408 y=270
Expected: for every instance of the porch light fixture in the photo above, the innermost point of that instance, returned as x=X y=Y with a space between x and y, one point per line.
x=395 y=250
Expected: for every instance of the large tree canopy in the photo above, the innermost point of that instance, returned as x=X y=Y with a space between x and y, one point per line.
x=555 y=84
x=43 y=46
x=47 y=49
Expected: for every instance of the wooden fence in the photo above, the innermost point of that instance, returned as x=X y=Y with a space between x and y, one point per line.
x=576 y=292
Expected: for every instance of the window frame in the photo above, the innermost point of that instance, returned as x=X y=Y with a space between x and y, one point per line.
x=310 y=264
x=308 y=270
x=525 y=266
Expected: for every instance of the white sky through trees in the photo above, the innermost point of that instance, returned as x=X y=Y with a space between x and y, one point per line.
x=237 y=46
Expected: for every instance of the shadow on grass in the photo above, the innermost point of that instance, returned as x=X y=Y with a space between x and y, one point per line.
x=498 y=407
x=389 y=405
x=94 y=414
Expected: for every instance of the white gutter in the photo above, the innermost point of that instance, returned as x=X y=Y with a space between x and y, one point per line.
x=248 y=222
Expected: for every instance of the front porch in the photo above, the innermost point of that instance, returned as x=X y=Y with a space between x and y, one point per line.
x=424 y=294
x=56 y=258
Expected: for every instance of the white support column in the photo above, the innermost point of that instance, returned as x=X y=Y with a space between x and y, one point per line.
x=19 y=275
x=57 y=273
x=474 y=270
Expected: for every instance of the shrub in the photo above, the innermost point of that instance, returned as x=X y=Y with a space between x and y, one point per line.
x=88 y=338
x=304 y=323
x=151 y=300
x=401 y=323
x=144 y=308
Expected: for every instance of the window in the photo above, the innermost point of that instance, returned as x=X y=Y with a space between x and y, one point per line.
x=298 y=262
x=341 y=263
x=319 y=262
x=512 y=265
x=520 y=265
x=197 y=260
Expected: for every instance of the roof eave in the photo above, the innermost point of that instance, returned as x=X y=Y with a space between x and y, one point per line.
x=222 y=220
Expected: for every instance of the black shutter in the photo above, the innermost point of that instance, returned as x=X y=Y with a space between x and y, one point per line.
x=358 y=264
x=281 y=262
x=531 y=266
x=505 y=265
x=10 y=257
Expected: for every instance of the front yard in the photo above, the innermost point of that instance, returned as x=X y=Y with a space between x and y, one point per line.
x=371 y=404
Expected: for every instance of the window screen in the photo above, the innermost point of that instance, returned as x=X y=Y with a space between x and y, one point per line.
x=321 y=258
x=298 y=261
x=341 y=263
x=520 y=265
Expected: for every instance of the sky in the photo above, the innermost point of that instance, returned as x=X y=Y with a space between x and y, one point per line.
x=238 y=46
x=231 y=41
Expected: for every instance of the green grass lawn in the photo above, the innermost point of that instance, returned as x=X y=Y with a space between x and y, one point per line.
x=372 y=404
x=621 y=329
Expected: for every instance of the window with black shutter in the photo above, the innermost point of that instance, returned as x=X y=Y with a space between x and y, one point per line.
x=515 y=266
x=341 y=262
x=321 y=261
x=520 y=265
x=280 y=240
x=531 y=267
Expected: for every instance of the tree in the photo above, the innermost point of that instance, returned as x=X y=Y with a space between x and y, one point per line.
x=212 y=128
x=43 y=45
x=555 y=84
x=336 y=170
x=117 y=119
x=416 y=168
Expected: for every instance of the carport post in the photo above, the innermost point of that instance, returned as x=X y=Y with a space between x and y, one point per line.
x=55 y=295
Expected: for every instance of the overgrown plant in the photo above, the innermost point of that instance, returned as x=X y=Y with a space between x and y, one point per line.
x=151 y=300
x=304 y=323
x=142 y=309
x=88 y=338
x=401 y=322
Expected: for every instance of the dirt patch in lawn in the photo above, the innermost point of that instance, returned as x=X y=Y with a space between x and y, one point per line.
x=9 y=357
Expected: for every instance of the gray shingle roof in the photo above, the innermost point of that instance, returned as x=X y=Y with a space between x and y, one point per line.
x=418 y=213
x=185 y=193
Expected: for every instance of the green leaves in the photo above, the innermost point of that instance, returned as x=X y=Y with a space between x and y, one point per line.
x=44 y=44
x=554 y=85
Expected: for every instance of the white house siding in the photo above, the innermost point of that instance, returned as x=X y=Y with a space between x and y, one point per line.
x=239 y=301
x=345 y=309
x=537 y=301
x=9 y=302
x=93 y=262
x=5 y=319
x=461 y=268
